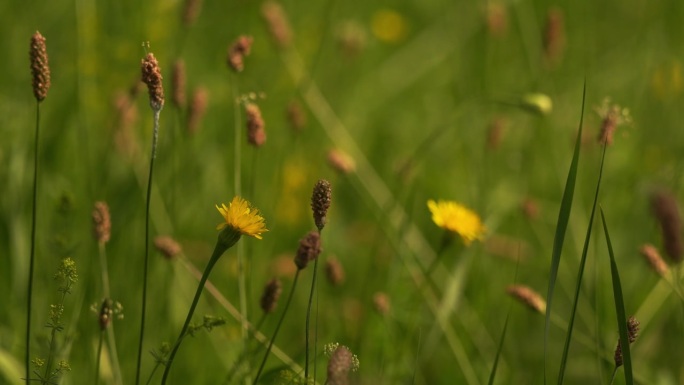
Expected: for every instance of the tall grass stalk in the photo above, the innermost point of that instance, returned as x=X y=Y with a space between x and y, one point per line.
x=308 y=320
x=111 y=340
x=29 y=296
x=155 y=136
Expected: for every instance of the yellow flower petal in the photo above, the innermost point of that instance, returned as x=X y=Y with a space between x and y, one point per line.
x=241 y=217
x=456 y=218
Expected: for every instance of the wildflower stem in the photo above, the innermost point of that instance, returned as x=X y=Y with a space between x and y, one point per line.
x=275 y=333
x=219 y=249
x=99 y=356
x=111 y=341
x=308 y=318
x=33 y=244
x=155 y=136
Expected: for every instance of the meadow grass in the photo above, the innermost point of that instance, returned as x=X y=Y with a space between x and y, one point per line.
x=395 y=105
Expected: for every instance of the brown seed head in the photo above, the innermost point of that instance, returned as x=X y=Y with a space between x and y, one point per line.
x=278 y=25
x=497 y=19
x=339 y=366
x=178 y=84
x=381 y=302
x=256 y=134
x=665 y=209
x=237 y=52
x=652 y=256
x=191 y=11
x=320 y=202
x=527 y=296
x=151 y=75
x=40 y=69
x=309 y=249
x=269 y=299
x=296 y=116
x=198 y=107
x=167 y=246
x=341 y=162
x=554 y=36
x=632 y=334
x=530 y=208
x=497 y=129
x=102 y=225
x=334 y=271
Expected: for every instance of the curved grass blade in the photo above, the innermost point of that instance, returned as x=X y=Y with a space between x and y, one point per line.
x=619 y=308
x=580 y=274
x=561 y=227
x=503 y=333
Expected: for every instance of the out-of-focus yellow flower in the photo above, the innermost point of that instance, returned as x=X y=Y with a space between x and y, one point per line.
x=241 y=217
x=456 y=218
x=389 y=26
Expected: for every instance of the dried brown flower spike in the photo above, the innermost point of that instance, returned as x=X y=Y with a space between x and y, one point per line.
x=167 y=246
x=320 y=202
x=612 y=116
x=527 y=296
x=198 y=107
x=632 y=334
x=652 y=256
x=666 y=211
x=341 y=162
x=334 y=271
x=40 y=69
x=296 y=116
x=102 y=224
x=269 y=299
x=309 y=249
x=278 y=26
x=554 y=36
x=256 y=134
x=191 y=11
x=178 y=84
x=151 y=75
x=339 y=366
x=237 y=52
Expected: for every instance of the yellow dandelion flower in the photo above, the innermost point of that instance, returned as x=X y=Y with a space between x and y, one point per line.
x=240 y=216
x=456 y=218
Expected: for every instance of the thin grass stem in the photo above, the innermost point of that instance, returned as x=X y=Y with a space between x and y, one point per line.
x=155 y=137
x=99 y=357
x=308 y=318
x=29 y=296
x=111 y=341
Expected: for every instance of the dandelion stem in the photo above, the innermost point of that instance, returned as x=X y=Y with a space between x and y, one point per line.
x=155 y=136
x=219 y=249
x=33 y=245
x=280 y=322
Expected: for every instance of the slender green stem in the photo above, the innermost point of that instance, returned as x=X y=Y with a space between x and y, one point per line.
x=33 y=246
x=612 y=378
x=275 y=333
x=244 y=354
x=155 y=136
x=111 y=341
x=219 y=249
x=308 y=319
x=99 y=357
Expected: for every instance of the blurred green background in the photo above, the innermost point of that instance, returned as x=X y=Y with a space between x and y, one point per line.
x=413 y=89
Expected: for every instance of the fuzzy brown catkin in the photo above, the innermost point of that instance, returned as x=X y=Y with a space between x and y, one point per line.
x=269 y=299
x=152 y=77
x=102 y=224
x=40 y=69
x=665 y=209
x=309 y=249
x=320 y=202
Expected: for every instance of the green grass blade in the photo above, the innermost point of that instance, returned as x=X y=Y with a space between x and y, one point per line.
x=561 y=227
x=580 y=274
x=619 y=308
x=498 y=350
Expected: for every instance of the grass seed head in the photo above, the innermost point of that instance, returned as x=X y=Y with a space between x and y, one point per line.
x=334 y=271
x=528 y=297
x=198 y=106
x=191 y=10
x=296 y=116
x=40 y=69
x=320 y=202
x=178 y=84
x=269 y=299
x=309 y=249
x=652 y=256
x=632 y=334
x=237 y=52
x=167 y=246
x=152 y=77
x=339 y=366
x=382 y=304
x=277 y=22
x=102 y=224
x=665 y=209
x=341 y=162
x=256 y=134
x=554 y=36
